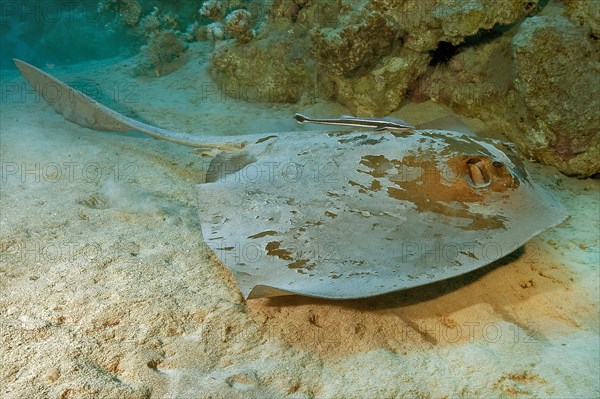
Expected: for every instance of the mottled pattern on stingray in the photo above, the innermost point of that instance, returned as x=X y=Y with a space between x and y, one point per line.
x=357 y=214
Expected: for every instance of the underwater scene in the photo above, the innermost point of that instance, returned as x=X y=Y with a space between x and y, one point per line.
x=299 y=199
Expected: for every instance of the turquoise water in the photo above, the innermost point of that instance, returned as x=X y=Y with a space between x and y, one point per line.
x=58 y=32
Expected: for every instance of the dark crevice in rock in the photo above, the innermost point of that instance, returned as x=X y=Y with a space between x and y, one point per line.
x=445 y=51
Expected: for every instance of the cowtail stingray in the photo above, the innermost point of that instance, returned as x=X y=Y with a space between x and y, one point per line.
x=347 y=213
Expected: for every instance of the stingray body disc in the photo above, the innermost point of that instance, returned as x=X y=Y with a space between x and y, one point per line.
x=350 y=215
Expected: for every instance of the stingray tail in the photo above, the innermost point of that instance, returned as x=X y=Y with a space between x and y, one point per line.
x=84 y=111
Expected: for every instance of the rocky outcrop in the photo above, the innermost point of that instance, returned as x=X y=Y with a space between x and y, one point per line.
x=356 y=61
x=586 y=14
x=537 y=84
x=557 y=79
x=357 y=46
x=163 y=54
x=381 y=90
x=474 y=82
x=273 y=69
x=367 y=53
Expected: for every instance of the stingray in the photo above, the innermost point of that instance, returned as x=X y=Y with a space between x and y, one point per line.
x=344 y=214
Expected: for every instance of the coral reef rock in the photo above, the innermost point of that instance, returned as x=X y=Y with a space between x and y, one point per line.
x=474 y=82
x=356 y=60
x=380 y=91
x=238 y=25
x=585 y=13
x=127 y=12
x=458 y=19
x=212 y=9
x=273 y=69
x=558 y=78
x=536 y=83
x=358 y=45
x=163 y=54
x=368 y=52
x=532 y=78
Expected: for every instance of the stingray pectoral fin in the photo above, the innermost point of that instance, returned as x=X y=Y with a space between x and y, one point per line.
x=84 y=111
x=264 y=291
x=227 y=163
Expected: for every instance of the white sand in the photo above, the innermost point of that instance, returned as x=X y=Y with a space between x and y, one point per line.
x=107 y=289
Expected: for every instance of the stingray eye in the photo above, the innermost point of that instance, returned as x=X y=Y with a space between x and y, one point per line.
x=478 y=173
x=497 y=164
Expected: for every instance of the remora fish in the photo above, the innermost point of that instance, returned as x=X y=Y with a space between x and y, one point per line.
x=347 y=120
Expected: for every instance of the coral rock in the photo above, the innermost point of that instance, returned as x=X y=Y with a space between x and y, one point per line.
x=381 y=90
x=163 y=54
x=215 y=31
x=368 y=52
x=356 y=60
x=212 y=9
x=274 y=69
x=586 y=13
x=360 y=45
x=237 y=25
x=558 y=79
x=460 y=18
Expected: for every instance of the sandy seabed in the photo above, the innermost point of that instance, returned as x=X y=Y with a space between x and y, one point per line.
x=107 y=289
